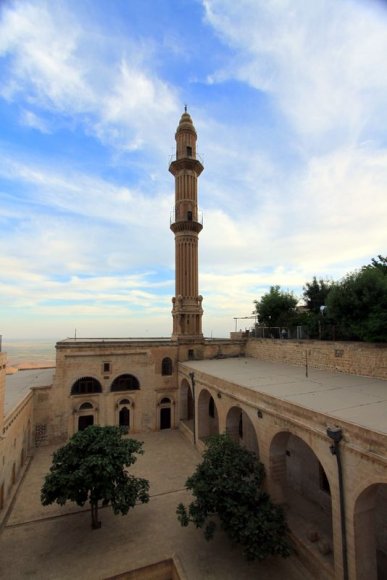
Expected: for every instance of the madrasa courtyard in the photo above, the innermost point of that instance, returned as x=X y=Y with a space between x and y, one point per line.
x=57 y=542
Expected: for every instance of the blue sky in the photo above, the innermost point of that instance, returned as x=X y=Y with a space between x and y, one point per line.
x=289 y=101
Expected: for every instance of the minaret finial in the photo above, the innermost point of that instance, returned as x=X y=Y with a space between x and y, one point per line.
x=185 y=108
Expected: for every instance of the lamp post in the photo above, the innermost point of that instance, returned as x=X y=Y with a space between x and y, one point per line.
x=336 y=434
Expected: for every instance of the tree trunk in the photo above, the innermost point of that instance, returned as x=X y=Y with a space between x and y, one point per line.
x=95 y=524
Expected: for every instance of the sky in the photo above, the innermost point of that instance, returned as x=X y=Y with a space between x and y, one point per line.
x=288 y=98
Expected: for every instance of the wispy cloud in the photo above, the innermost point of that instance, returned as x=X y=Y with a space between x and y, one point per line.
x=321 y=61
x=62 y=67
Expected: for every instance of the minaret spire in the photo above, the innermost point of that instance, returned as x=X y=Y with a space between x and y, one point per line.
x=186 y=224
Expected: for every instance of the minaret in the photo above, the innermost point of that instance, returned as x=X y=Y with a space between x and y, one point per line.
x=186 y=224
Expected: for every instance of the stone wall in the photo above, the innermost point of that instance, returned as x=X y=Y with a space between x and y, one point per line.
x=142 y=360
x=295 y=449
x=369 y=360
x=3 y=361
x=16 y=445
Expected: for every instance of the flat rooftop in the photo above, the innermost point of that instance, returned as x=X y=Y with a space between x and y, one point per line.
x=359 y=400
x=18 y=385
x=78 y=341
x=152 y=340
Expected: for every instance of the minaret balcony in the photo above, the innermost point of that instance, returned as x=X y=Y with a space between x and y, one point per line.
x=180 y=223
x=177 y=164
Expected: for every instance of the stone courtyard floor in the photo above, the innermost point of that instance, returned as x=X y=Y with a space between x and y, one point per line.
x=57 y=542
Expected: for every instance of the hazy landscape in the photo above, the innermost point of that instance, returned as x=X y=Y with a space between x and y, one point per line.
x=22 y=353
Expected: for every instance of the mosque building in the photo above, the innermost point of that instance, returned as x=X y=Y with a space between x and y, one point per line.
x=314 y=412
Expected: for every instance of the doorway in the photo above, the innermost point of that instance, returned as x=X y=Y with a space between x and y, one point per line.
x=165 y=418
x=85 y=421
x=124 y=419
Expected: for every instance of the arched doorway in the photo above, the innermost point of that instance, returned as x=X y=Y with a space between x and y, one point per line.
x=370 y=523
x=85 y=416
x=299 y=482
x=240 y=428
x=208 y=421
x=85 y=421
x=165 y=413
x=124 y=419
x=124 y=415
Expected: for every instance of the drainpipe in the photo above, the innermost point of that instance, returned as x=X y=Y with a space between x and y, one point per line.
x=336 y=434
x=192 y=377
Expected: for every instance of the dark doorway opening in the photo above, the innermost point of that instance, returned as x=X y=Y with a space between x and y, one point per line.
x=85 y=421
x=165 y=418
x=125 y=419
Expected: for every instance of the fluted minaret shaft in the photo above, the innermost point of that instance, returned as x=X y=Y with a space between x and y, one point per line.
x=186 y=224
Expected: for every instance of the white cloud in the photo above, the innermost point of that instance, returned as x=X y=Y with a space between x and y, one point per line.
x=30 y=119
x=61 y=67
x=322 y=61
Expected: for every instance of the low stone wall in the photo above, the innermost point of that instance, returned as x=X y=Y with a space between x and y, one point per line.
x=357 y=358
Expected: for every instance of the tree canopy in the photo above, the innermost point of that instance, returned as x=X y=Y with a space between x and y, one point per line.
x=315 y=294
x=92 y=467
x=227 y=486
x=358 y=304
x=276 y=307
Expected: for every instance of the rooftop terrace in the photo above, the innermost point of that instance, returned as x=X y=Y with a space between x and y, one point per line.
x=359 y=400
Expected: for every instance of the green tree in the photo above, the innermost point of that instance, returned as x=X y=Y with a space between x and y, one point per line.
x=92 y=467
x=227 y=486
x=380 y=263
x=358 y=304
x=276 y=308
x=315 y=294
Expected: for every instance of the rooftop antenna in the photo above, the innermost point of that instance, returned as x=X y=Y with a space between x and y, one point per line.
x=75 y=334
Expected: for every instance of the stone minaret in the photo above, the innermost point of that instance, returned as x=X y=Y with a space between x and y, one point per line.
x=186 y=224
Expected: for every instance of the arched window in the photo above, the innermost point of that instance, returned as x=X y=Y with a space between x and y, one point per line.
x=85 y=386
x=125 y=383
x=124 y=402
x=166 y=366
x=85 y=406
x=165 y=401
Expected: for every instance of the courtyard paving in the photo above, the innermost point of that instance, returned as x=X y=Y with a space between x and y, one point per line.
x=57 y=542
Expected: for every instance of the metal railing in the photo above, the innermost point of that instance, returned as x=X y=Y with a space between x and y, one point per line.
x=174 y=217
x=174 y=157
